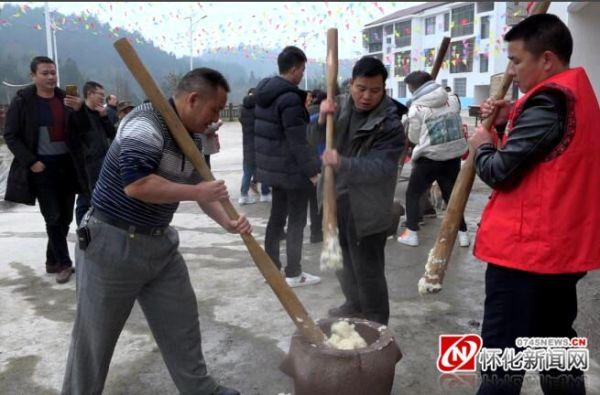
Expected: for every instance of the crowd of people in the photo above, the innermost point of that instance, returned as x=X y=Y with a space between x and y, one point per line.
x=537 y=232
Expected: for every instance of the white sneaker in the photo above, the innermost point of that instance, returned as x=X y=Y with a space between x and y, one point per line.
x=246 y=200
x=302 y=280
x=266 y=198
x=409 y=238
x=463 y=239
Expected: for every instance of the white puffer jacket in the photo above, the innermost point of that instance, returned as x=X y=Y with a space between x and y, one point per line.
x=435 y=126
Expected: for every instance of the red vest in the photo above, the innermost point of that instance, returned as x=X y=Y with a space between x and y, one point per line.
x=550 y=221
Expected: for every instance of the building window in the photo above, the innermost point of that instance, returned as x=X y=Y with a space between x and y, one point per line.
x=461 y=56
x=429 y=26
x=389 y=29
x=460 y=87
x=483 y=63
x=401 y=89
x=402 y=34
x=446 y=22
x=485 y=6
x=515 y=13
x=373 y=39
x=462 y=20
x=485 y=27
x=429 y=57
x=402 y=64
x=444 y=83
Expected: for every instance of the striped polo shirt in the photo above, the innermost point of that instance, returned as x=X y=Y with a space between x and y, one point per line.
x=142 y=146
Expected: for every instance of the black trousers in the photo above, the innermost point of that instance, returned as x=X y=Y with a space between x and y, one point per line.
x=424 y=172
x=522 y=304
x=55 y=192
x=363 y=276
x=316 y=217
x=290 y=203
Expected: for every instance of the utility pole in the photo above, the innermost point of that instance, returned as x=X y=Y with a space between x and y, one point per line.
x=191 y=33
x=306 y=77
x=55 y=54
x=49 y=48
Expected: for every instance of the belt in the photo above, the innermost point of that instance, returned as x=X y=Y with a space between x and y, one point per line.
x=132 y=229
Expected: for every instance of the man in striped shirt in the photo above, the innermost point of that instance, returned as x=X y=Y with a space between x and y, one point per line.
x=127 y=250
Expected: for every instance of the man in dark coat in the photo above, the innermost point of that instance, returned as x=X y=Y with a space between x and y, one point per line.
x=43 y=168
x=247 y=121
x=285 y=160
x=368 y=141
x=112 y=108
x=90 y=134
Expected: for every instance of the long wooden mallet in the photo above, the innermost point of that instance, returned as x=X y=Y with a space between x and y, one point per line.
x=286 y=295
x=331 y=254
x=437 y=262
x=435 y=70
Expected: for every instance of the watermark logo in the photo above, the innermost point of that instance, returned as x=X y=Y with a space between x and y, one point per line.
x=538 y=354
x=457 y=353
x=462 y=353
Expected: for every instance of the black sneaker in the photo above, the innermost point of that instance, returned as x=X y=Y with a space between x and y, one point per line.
x=429 y=213
x=225 y=391
x=52 y=268
x=347 y=310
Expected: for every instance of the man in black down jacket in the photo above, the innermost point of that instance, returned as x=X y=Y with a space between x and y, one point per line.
x=43 y=167
x=247 y=121
x=90 y=134
x=285 y=160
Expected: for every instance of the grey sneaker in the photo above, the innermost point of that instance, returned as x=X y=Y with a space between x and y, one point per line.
x=64 y=274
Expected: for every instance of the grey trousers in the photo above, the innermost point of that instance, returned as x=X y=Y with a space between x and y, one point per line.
x=113 y=272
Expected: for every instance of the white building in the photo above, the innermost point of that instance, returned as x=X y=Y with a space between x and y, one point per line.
x=407 y=40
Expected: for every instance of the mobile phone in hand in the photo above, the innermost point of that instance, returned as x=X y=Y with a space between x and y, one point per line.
x=71 y=90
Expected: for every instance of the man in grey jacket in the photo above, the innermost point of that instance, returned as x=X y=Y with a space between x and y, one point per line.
x=434 y=126
x=369 y=138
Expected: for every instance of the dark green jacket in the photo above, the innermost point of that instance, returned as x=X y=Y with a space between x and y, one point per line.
x=371 y=171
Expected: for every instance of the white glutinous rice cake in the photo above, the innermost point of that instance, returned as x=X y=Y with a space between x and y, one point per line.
x=345 y=337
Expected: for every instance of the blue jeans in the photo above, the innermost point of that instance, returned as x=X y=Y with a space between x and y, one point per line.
x=249 y=171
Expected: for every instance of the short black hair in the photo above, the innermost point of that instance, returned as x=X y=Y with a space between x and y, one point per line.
x=90 y=87
x=202 y=80
x=543 y=32
x=417 y=78
x=109 y=96
x=318 y=96
x=37 y=60
x=368 y=66
x=290 y=56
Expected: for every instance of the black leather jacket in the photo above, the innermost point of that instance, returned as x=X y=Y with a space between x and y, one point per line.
x=536 y=132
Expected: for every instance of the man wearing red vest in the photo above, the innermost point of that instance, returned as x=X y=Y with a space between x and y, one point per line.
x=538 y=232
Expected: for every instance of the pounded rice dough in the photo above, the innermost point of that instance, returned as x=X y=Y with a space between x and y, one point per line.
x=345 y=337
